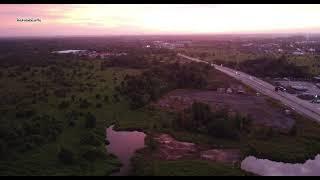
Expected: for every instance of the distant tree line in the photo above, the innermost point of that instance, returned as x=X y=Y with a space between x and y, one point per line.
x=269 y=67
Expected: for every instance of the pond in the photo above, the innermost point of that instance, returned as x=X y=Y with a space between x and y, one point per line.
x=124 y=144
x=265 y=167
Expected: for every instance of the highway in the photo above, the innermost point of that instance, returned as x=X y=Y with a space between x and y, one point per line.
x=191 y=58
x=302 y=107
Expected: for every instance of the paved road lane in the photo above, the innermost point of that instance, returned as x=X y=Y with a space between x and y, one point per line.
x=299 y=105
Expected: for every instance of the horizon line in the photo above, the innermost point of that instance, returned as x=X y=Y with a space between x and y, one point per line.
x=178 y=34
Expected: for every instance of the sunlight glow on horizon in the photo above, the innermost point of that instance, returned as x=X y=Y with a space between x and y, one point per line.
x=112 y=19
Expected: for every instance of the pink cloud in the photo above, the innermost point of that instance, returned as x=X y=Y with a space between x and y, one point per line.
x=60 y=19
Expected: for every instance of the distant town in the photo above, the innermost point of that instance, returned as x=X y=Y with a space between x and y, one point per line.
x=90 y=54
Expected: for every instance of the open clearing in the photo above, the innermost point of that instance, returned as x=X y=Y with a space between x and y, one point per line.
x=257 y=107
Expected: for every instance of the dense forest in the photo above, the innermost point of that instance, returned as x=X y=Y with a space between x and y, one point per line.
x=153 y=83
x=221 y=123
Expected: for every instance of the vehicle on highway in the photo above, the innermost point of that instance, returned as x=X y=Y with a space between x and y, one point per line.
x=281 y=88
x=286 y=79
x=316 y=101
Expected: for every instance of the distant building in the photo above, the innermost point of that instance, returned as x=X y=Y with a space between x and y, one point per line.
x=312 y=50
x=92 y=54
x=298 y=53
x=241 y=91
x=229 y=91
x=178 y=45
x=221 y=90
x=247 y=45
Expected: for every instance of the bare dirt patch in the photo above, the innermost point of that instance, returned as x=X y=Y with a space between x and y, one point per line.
x=226 y=155
x=171 y=149
x=257 y=107
x=217 y=79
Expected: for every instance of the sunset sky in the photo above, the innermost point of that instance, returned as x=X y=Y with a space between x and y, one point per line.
x=140 y=19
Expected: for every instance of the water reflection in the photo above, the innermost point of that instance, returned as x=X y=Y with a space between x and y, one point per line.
x=266 y=167
x=123 y=144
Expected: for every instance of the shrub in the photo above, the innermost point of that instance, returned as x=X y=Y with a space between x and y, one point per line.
x=37 y=139
x=222 y=128
x=72 y=118
x=106 y=142
x=152 y=144
x=66 y=156
x=60 y=93
x=72 y=123
x=34 y=101
x=93 y=153
x=106 y=98
x=84 y=104
x=90 y=138
x=294 y=130
x=116 y=98
x=263 y=133
x=73 y=98
x=64 y=105
x=25 y=113
x=90 y=120
x=3 y=149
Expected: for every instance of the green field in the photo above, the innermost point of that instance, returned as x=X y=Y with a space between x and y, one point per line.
x=43 y=160
x=85 y=80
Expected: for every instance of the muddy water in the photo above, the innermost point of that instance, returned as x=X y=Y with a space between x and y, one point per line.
x=123 y=144
x=266 y=167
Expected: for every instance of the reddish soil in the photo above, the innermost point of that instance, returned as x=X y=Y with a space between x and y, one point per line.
x=226 y=155
x=171 y=149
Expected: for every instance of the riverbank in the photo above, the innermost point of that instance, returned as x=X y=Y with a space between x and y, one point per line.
x=165 y=156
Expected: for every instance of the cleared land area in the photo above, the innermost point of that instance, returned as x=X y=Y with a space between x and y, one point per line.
x=257 y=107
